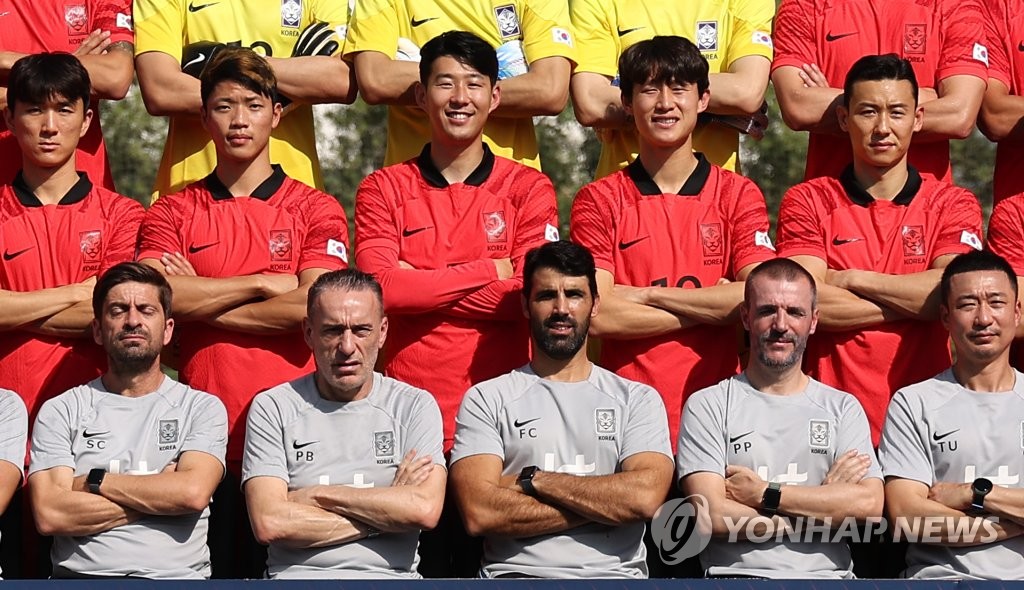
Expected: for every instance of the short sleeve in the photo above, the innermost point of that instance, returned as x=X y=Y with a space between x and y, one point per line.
x=596 y=49
x=749 y=225
x=800 y=231
x=964 y=41
x=537 y=214
x=795 y=34
x=855 y=434
x=264 y=453
x=476 y=428
x=159 y=26
x=13 y=429
x=1006 y=232
x=123 y=224
x=208 y=428
x=160 y=231
x=327 y=235
x=996 y=35
x=592 y=225
x=701 y=443
x=114 y=16
x=374 y=26
x=547 y=30
x=903 y=450
x=751 y=29
x=51 y=437
x=647 y=428
x=424 y=430
x=960 y=219
x=333 y=12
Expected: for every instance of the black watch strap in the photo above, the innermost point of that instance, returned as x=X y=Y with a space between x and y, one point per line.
x=526 y=480
x=771 y=498
x=95 y=479
x=979 y=489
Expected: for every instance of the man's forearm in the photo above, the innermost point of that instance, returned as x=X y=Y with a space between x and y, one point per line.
x=167 y=493
x=198 y=298
x=75 y=514
x=624 y=320
x=614 y=499
x=315 y=79
x=276 y=315
x=390 y=509
x=840 y=309
x=73 y=322
x=716 y=305
x=22 y=308
x=835 y=502
x=913 y=295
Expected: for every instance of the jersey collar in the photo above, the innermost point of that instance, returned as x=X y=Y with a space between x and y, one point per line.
x=861 y=197
x=263 y=192
x=434 y=178
x=76 y=194
x=691 y=188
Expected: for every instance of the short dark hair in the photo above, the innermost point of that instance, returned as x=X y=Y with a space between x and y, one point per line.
x=38 y=78
x=465 y=48
x=348 y=279
x=565 y=257
x=873 y=68
x=780 y=269
x=665 y=59
x=242 y=66
x=130 y=272
x=975 y=260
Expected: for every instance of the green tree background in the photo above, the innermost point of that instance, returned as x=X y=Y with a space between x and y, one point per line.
x=351 y=145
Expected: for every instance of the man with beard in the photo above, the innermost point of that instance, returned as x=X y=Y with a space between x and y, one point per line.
x=742 y=439
x=523 y=441
x=951 y=448
x=123 y=467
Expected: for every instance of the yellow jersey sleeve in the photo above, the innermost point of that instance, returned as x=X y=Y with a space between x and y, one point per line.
x=596 y=47
x=547 y=30
x=333 y=12
x=159 y=25
x=751 y=30
x=375 y=25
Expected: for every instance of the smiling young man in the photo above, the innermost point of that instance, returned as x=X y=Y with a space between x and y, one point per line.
x=241 y=248
x=951 y=449
x=876 y=238
x=665 y=231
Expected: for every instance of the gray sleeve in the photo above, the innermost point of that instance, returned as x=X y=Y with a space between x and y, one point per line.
x=647 y=428
x=265 y=453
x=51 y=437
x=208 y=428
x=13 y=429
x=424 y=432
x=476 y=428
x=903 y=451
x=701 y=445
x=854 y=433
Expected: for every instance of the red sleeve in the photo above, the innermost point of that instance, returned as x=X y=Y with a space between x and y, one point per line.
x=326 y=245
x=592 y=225
x=536 y=223
x=996 y=33
x=964 y=41
x=795 y=35
x=800 y=231
x=406 y=290
x=749 y=224
x=1006 y=232
x=114 y=16
x=961 y=221
x=125 y=220
x=160 y=231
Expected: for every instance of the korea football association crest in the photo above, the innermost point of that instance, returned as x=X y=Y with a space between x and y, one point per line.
x=495 y=226
x=508 y=21
x=605 y=421
x=91 y=243
x=76 y=16
x=167 y=434
x=707 y=35
x=384 y=443
x=711 y=238
x=819 y=434
x=291 y=13
x=913 y=240
x=280 y=245
x=915 y=39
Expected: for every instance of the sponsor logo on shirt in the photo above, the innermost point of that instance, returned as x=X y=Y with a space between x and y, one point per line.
x=971 y=239
x=707 y=35
x=91 y=243
x=762 y=38
x=495 y=226
x=77 y=18
x=508 y=21
x=167 y=435
x=560 y=35
x=9 y=255
x=915 y=39
x=384 y=446
x=981 y=53
x=711 y=238
x=338 y=249
x=913 y=240
x=819 y=436
x=943 y=444
x=280 y=248
x=291 y=13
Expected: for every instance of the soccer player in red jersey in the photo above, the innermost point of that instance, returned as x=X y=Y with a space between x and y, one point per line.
x=876 y=238
x=58 y=231
x=1003 y=107
x=99 y=33
x=665 y=231
x=1006 y=238
x=817 y=41
x=446 y=234
x=241 y=248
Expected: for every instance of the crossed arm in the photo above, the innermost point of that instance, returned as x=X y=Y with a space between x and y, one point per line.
x=33 y=309
x=493 y=504
x=946 y=505
x=111 y=66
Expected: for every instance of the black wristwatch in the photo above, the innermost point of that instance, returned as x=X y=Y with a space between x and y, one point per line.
x=94 y=479
x=981 y=487
x=771 y=498
x=526 y=480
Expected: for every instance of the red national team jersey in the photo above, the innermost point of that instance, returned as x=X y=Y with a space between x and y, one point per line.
x=45 y=246
x=838 y=221
x=284 y=227
x=1005 y=28
x=941 y=38
x=452 y=323
x=61 y=25
x=714 y=227
x=1006 y=238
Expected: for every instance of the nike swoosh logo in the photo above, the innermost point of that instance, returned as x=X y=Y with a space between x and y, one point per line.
x=200 y=57
x=296 y=445
x=841 y=241
x=937 y=437
x=624 y=245
x=88 y=434
x=830 y=37
x=193 y=7
x=417 y=23
x=520 y=424
x=624 y=32
x=8 y=256
x=411 y=232
x=193 y=249
x=737 y=437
